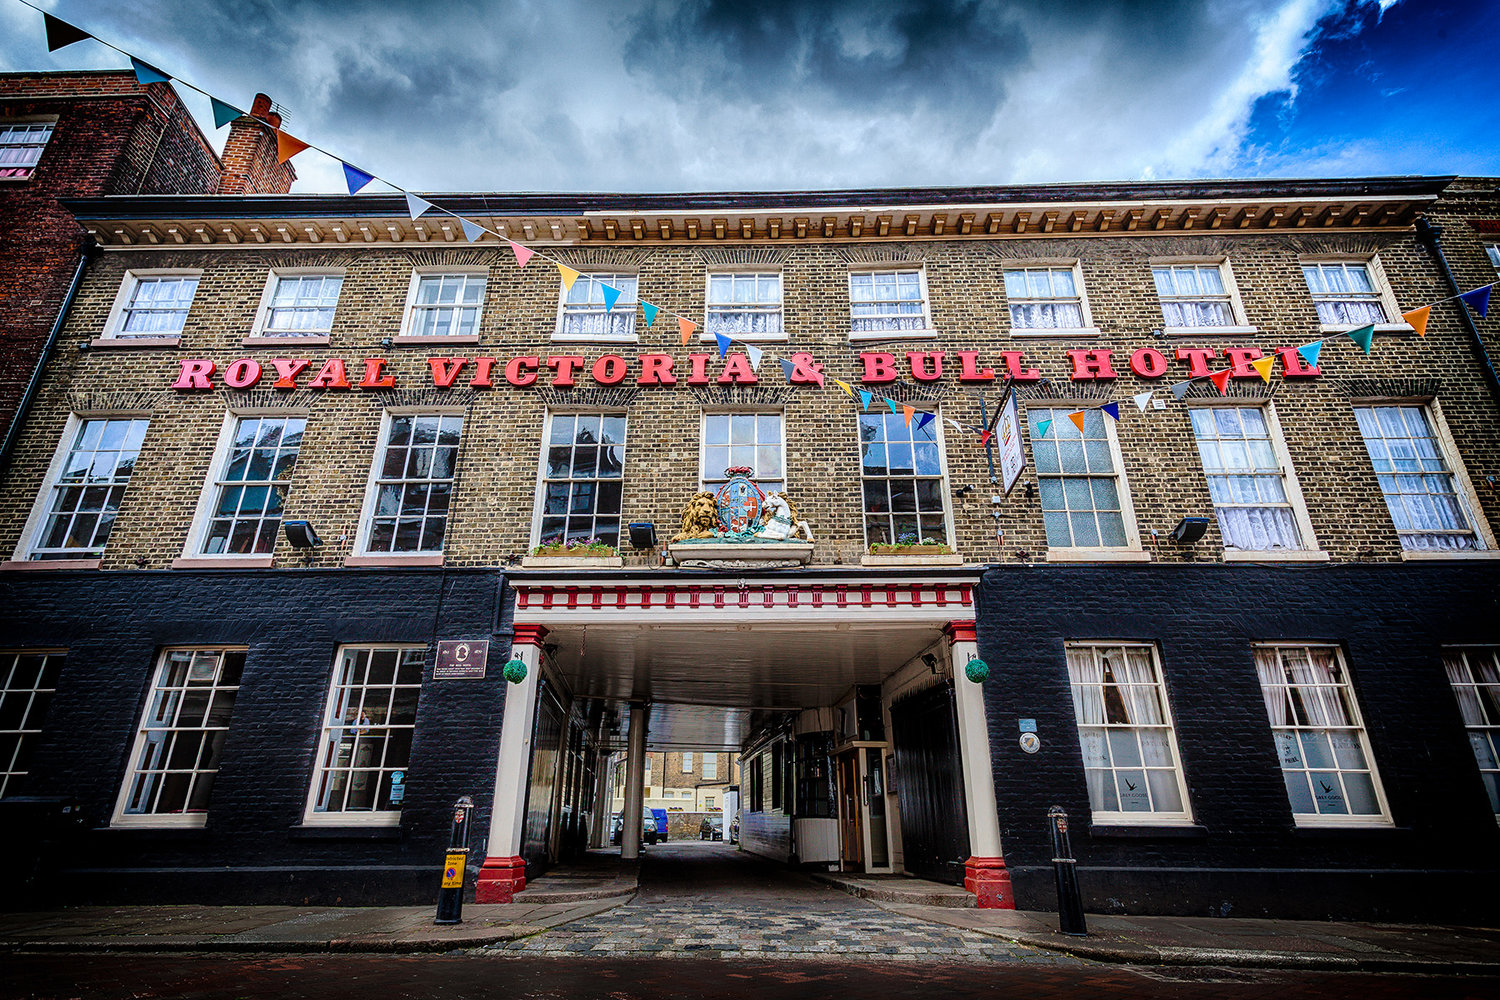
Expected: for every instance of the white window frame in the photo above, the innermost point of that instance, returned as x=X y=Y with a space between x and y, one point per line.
x=36 y=522
x=540 y=502
x=687 y=762
x=1463 y=487
x=47 y=123
x=1486 y=731
x=710 y=767
x=408 y=334
x=1122 y=817
x=29 y=721
x=942 y=448
x=706 y=334
x=374 y=817
x=192 y=550
x=372 y=487
x=1238 y=324
x=926 y=330
x=259 y=331
x=1493 y=252
x=626 y=305
x=1310 y=550
x=1357 y=724
x=705 y=482
x=121 y=818
x=1088 y=329
x=1131 y=551
x=113 y=335
x=1378 y=281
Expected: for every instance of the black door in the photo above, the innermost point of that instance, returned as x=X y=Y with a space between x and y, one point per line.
x=929 y=784
x=546 y=755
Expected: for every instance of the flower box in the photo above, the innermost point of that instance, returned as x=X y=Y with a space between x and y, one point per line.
x=909 y=549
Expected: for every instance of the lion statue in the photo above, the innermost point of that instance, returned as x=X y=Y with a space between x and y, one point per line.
x=779 y=522
x=700 y=518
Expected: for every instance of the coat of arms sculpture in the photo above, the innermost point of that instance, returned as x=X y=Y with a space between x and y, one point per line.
x=740 y=511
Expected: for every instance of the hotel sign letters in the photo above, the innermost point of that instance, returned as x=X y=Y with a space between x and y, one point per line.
x=875 y=368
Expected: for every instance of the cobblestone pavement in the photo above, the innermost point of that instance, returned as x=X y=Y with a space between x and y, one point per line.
x=710 y=901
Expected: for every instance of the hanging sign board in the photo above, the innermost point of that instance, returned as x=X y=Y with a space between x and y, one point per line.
x=461 y=659
x=1008 y=431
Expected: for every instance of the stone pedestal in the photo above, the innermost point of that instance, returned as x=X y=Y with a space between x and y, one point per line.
x=709 y=554
x=500 y=879
x=989 y=881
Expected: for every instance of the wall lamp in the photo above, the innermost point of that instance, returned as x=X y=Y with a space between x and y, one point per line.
x=964 y=491
x=643 y=534
x=931 y=661
x=300 y=535
x=1189 y=530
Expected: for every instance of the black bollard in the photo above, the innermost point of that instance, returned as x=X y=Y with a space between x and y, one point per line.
x=450 y=905
x=1069 y=902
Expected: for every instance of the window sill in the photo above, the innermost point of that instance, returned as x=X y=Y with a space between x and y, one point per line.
x=283 y=340
x=173 y=831
x=584 y=338
x=413 y=340
x=1414 y=555
x=130 y=343
x=1122 y=554
x=350 y=831
x=1275 y=555
x=393 y=559
x=1209 y=331
x=160 y=823
x=222 y=562
x=1043 y=334
x=937 y=559
x=1371 y=828
x=1379 y=328
x=757 y=338
x=1130 y=831
x=869 y=336
x=45 y=564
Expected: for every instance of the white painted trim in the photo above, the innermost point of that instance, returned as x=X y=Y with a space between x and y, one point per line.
x=417 y=274
x=1120 y=554
x=539 y=492
x=372 y=484
x=1310 y=551
x=974 y=756
x=132 y=278
x=1275 y=555
x=1378 y=280
x=705 y=413
x=558 y=337
x=928 y=328
x=273 y=278
x=705 y=337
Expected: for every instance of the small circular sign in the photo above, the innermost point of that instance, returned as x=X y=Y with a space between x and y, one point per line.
x=1031 y=742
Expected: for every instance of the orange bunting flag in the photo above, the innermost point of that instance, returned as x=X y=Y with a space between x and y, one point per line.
x=288 y=146
x=1220 y=381
x=1263 y=366
x=1418 y=319
x=1077 y=419
x=687 y=327
x=568 y=275
x=907 y=411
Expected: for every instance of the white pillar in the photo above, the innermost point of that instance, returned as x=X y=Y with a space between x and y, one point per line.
x=985 y=873
x=635 y=775
x=504 y=871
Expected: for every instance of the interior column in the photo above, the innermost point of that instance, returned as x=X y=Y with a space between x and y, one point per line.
x=503 y=873
x=635 y=775
x=985 y=874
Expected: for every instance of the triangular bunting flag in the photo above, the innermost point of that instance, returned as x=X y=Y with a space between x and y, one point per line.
x=1478 y=300
x=923 y=420
x=1112 y=408
x=954 y=424
x=60 y=32
x=473 y=231
x=1263 y=365
x=723 y=344
x=1220 y=381
x=1417 y=318
x=787 y=367
x=864 y=399
x=1310 y=353
x=1078 y=419
x=1141 y=399
x=568 y=275
x=416 y=206
x=356 y=178
x=147 y=73
x=226 y=113
x=1042 y=427
x=611 y=295
x=845 y=386
x=908 y=412
x=755 y=353
x=650 y=312
x=1364 y=336
x=287 y=146
x=523 y=254
x=1180 y=389
x=686 y=326
x=984 y=437
x=892 y=404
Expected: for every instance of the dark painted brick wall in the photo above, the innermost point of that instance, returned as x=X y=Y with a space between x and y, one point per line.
x=293 y=622
x=1391 y=621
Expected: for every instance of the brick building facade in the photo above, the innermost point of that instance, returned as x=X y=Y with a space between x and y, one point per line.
x=1284 y=716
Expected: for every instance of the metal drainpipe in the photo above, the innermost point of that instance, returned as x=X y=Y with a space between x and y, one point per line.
x=36 y=376
x=1429 y=235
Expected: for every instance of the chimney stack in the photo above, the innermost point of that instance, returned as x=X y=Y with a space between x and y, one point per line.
x=249 y=157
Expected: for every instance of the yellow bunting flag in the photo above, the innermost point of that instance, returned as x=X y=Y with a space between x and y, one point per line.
x=1263 y=366
x=845 y=387
x=687 y=327
x=1418 y=319
x=568 y=275
x=288 y=146
x=907 y=411
x=1077 y=419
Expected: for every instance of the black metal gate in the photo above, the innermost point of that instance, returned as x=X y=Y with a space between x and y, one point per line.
x=929 y=783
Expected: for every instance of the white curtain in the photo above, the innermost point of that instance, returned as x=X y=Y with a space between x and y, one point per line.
x=1195 y=313
x=1311 y=670
x=1046 y=316
x=1258 y=528
x=1272 y=686
x=1088 y=677
x=1463 y=689
x=1134 y=667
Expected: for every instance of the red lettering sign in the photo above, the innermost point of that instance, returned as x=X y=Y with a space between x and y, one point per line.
x=516 y=376
x=880 y=367
x=242 y=374
x=195 y=374
x=969 y=370
x=1091 y=364
x=288 y=370
x=373 y=379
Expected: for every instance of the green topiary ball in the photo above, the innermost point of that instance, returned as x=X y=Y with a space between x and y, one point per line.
x=515 y=671
x=977 y=671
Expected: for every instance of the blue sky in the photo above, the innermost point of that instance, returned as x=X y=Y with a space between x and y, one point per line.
x=663 y=95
